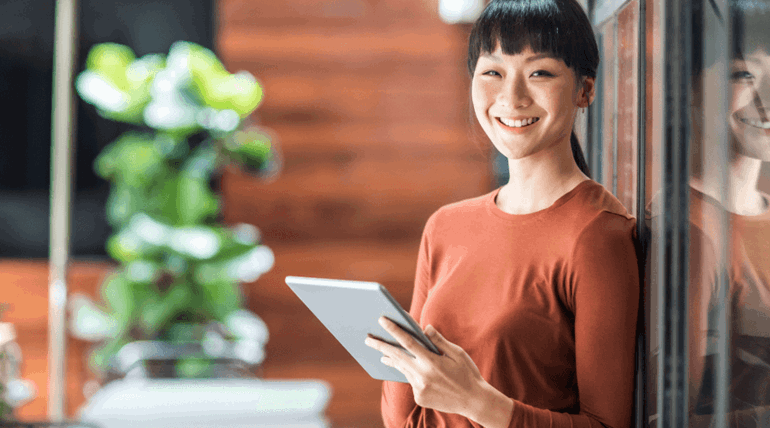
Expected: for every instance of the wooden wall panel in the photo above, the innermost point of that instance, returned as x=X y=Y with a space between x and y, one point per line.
x=373 y=121
x=300 y=142
x=369 y=101
x=346 y=48
x=357 y=98
x=366 y=14
x=366 y=198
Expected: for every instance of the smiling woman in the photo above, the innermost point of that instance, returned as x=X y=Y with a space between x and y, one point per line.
x=538 y=84
x=531 y=291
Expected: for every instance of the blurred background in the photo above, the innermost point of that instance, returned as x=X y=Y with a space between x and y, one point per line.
x=368 y=102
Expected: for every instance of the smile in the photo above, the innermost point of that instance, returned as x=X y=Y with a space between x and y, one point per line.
x=518 y=123
x=756 y=123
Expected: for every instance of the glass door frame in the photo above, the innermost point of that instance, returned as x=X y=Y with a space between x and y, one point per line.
x=670 y=316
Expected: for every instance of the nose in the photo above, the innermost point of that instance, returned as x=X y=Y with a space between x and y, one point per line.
x=514 y=93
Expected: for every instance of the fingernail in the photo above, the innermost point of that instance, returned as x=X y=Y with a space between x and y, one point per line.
x=382 y=321
x=430 y=330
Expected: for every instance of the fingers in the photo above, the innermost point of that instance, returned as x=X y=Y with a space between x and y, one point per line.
x=392 y=356
x=435 y=336
x=443 y=345
x=405 y=339
x=401 y=365
x=386 y=348
x=390 y=362
x=436 y=339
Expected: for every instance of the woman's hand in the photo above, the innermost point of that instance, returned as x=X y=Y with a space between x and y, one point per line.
x=449 y=383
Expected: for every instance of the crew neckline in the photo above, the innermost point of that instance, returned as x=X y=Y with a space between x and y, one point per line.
x=493 y=209
x=764 y=215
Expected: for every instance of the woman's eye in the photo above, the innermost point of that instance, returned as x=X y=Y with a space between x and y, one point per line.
x=491 y=73
x=542 y=73
x=741 y=75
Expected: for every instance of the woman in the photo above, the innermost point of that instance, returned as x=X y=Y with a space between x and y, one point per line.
x=530 y=291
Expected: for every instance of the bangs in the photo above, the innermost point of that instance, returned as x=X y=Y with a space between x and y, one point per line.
x=515 y=31
x=545 y=27
x=750 y=32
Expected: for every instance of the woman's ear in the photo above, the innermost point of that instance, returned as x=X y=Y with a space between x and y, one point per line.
x=587 y=92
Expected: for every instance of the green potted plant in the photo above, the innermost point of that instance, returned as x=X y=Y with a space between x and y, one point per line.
x=179 y=269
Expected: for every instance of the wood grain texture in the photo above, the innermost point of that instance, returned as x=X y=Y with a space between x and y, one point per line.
x=366 y=14
x=369 y=102
x=367 y=198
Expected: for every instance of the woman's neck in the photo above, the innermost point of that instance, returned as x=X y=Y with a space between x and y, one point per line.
x=741 y=196
x=537 y=181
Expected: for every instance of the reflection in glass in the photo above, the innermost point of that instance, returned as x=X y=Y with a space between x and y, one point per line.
x=730 y=219
x=627 y=102
x=608 y=78
x=654 y=136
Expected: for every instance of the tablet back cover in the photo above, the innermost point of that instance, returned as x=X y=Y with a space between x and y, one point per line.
x=349 y=310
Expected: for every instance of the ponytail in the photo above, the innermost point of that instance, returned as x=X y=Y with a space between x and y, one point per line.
x=577 y=153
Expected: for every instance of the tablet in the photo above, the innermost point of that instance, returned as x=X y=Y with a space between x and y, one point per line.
x=349 y=310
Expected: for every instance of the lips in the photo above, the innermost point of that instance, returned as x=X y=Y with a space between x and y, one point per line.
x=518 y=123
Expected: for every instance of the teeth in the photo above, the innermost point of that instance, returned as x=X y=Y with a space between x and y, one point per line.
x=755 y=123
x=519 y=123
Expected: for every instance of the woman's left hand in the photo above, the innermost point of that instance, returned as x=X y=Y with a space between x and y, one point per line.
x=449 y=383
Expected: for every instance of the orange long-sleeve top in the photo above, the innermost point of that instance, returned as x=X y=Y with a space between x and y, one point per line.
x=544 y=303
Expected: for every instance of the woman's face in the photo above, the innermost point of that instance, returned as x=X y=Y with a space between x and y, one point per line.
x=750 y=104
x=526 y=103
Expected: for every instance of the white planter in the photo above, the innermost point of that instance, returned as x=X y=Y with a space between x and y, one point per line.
x=208 y=403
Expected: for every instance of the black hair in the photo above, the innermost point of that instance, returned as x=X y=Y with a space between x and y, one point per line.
x=557 y=27
x=748 y=19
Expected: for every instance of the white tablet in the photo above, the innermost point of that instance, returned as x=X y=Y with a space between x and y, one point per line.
x=350 y=310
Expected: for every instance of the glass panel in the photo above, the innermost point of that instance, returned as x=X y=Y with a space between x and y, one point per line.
x=708 y=218
x=608 y=103
x=655 y=98
x=730 y=219
x=603 y=9
x=627 y=104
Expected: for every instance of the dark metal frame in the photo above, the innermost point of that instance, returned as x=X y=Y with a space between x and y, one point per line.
x=673 y=286
x=719 y=45
x=640 y=409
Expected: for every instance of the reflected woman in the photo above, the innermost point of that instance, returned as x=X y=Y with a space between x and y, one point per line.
x=747 y=209
x=531 y=291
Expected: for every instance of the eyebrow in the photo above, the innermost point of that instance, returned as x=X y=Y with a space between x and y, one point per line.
x=541 y=56
x=496 y=58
